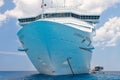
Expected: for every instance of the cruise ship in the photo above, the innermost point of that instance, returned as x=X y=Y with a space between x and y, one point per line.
x=58 y=41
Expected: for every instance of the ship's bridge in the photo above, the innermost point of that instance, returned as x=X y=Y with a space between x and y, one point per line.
x=90 y=18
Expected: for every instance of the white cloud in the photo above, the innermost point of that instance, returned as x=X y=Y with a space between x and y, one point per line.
x=26 y=8
x=109 y=34
x=2 y=18
x=97 y=5
x=1 y=3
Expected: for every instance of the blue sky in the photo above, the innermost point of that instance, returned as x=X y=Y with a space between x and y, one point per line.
x=107 y=43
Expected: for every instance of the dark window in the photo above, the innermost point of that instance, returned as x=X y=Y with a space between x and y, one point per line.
x=54 y=15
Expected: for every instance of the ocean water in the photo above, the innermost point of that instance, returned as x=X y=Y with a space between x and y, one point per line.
x=22 y=75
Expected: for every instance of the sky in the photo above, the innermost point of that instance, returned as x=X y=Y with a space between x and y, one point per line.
x=106 y=41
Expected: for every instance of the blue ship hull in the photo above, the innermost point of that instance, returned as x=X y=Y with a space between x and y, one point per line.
x=56 y=49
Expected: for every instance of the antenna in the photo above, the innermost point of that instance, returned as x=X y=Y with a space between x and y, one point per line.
x=51 y=3
x=64 y=3
x=42 y=6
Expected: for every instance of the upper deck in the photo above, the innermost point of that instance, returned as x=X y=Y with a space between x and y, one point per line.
x=62 y=13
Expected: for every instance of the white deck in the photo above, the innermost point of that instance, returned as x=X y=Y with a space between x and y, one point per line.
x=73 y=22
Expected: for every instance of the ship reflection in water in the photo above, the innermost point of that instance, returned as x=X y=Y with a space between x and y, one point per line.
x=20 y=75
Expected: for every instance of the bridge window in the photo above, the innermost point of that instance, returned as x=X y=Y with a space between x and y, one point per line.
x=55 y=15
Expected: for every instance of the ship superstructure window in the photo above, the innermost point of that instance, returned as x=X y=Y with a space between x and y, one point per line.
x=84 y=16
x=27 y=19
x=58 y=15
x=54 y=15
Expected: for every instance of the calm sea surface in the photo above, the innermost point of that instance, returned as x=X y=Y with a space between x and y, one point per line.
x=22 y=75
